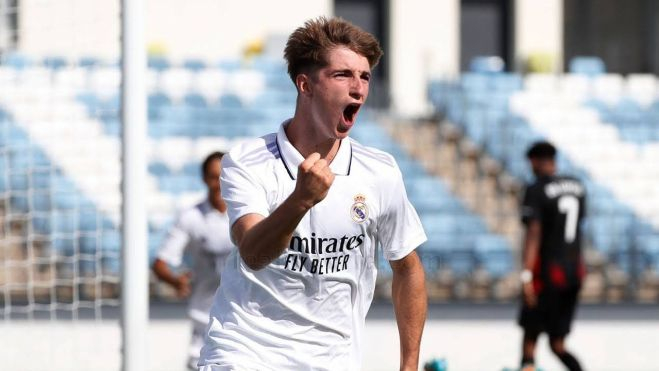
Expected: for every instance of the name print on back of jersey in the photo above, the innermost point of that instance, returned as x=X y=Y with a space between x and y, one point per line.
x=564 y=186
x=338 y=249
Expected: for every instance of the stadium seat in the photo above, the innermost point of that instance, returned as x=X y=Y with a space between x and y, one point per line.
x=210 y=83
x=494 y=254
x=16 y=60
x=88 y=62
x=229 y=101
x=541 y=83
x=55 y=63
x=608 y=87
x=195 y=100
x=642 y=88
x=194 y=65
x=104 y=81
x=175 y=82
x=158 y=63
x=589 y=66
x=487 y=64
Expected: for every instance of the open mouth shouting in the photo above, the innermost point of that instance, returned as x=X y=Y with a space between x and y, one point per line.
x=349 y=116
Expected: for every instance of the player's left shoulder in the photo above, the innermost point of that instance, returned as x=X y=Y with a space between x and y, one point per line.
x=374 y=160
x=191 y=215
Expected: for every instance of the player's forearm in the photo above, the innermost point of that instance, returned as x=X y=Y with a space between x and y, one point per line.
x=410 y=305
x=266 y=240
x=162 y=271
x=531 y=245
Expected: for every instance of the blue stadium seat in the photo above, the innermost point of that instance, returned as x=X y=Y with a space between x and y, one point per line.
x=178 y=183
x=230 y=101
x=474 y=82
x=195 y=100
x=195 y=65
x=487 y=64
x=506 y=83
x=494 y=254
x=88 y=62
x=111 y=242
x=230 y=65
x=42 y=223
x=590 y=66
x=17 y=60
x=461 y=261
x=158 y=169
x=439 y=225
x=429 y=194
x=65 y=194
x=64 y=247
x=192 y=170
x=158 y=63
x=40 y=201
x=54 y=63
x=19 y=202
x=18 y=181
x=155 y=103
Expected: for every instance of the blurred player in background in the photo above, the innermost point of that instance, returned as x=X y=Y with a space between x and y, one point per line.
x=309 y=207
x=553 y=268
x=203 y=232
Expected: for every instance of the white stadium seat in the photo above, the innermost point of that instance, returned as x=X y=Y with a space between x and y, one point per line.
x=174 y=152
x=540 y=82
x=608 y=87
x=642 y=88
x=175 y=82
x=210 y=83
x=105 y=81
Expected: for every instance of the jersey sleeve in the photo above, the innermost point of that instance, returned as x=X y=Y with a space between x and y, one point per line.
x=400 y=230
x=584 y=204
x=241 y=190
x=532 y=204
x=173 y=246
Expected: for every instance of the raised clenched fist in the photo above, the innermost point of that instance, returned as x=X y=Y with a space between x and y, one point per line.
x=314 y=179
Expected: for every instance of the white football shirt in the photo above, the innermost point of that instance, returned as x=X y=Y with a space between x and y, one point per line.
x=306 y=309
x=203 y=231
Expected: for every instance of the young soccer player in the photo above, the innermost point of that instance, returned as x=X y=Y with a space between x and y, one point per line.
x=308 y=207
x=552 y=211
x=203 y=232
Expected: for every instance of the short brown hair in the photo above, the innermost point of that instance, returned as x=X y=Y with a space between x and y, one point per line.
x=213 y=156
x=307 y=47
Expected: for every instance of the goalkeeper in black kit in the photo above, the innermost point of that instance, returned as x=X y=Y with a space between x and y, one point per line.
x=553 y=267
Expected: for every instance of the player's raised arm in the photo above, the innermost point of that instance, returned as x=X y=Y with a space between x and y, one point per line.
x=261 y=239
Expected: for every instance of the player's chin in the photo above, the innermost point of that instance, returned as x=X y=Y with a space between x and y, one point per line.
x=344 y=127
x=342 y=131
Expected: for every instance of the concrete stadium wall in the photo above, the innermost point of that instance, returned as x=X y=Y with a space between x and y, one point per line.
x=539 y=30
x=424 y=35
x=425 y=39
x=209 y=29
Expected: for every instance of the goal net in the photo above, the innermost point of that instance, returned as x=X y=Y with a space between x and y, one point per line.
x=59 y=183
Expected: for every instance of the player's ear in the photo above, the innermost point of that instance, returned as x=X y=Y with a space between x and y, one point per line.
x=303 y=84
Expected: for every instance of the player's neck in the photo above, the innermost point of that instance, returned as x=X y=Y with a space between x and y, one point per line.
x=218 y=205
x=302 y=135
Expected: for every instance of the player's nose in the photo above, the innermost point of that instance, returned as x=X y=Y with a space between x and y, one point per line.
x=358 y=89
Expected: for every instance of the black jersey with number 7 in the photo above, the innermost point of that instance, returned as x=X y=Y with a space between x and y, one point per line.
x=558 y=203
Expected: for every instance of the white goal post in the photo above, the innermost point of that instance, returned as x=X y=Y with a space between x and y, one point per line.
x=135 y=276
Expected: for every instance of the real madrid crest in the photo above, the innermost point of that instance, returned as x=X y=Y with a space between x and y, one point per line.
x=359 y=210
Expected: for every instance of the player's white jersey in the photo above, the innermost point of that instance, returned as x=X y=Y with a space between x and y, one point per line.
x=204 y=232
x=306 y=309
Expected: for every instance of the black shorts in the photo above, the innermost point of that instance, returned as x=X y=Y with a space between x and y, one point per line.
x=553 y=313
